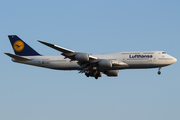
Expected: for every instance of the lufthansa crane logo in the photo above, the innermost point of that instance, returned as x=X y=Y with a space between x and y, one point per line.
x=18 y=46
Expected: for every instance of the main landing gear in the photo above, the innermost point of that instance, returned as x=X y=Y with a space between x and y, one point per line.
x=159 y=72
x=94 y=74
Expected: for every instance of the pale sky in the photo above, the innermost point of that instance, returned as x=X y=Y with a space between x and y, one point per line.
x=90 y=26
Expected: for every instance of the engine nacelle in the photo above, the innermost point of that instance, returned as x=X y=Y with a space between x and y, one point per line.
x=82 y=56
x=105 y=64
x=112 y=73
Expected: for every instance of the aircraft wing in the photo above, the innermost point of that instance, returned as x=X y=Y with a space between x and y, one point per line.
x=61 y=49
x=86 y=61
x=73 y=55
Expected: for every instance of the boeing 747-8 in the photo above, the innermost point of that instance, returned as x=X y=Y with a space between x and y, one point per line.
x=90 y=65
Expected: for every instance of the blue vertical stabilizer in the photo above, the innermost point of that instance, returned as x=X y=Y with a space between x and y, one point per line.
x=20 y=47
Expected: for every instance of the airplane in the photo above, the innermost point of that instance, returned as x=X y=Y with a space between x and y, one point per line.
x=91 y=65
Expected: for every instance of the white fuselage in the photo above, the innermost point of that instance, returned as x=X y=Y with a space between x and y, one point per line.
x=135 y=60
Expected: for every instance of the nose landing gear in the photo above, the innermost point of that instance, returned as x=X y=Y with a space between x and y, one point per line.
x=159 y=72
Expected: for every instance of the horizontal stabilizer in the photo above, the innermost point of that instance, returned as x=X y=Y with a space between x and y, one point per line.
x=17 y=57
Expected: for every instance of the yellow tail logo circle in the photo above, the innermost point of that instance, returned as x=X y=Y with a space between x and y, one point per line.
x=18 y=46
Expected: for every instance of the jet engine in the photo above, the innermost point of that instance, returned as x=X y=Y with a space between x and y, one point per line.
x=82 y=56
x=105 y=63
x=112 y=73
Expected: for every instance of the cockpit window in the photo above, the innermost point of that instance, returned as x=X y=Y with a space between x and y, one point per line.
x=163 y=52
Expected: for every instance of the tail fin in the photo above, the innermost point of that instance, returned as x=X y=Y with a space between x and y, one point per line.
x=20 y=47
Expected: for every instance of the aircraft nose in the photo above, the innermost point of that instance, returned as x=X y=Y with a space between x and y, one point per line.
x=175 y=60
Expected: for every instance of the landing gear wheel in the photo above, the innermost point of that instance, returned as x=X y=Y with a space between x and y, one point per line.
x=87 y=74
x=97 y=75
x=159 y=72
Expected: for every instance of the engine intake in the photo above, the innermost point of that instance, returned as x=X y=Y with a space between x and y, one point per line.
x=82 y=56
